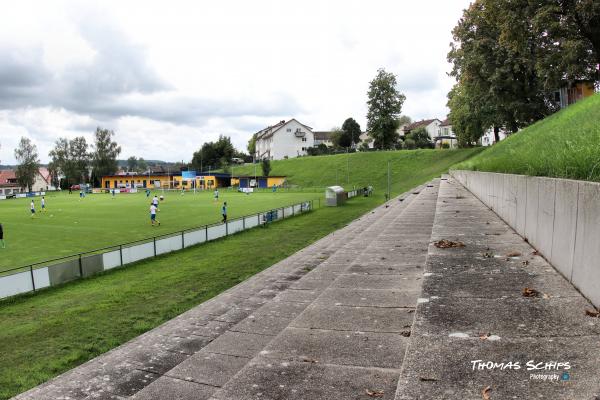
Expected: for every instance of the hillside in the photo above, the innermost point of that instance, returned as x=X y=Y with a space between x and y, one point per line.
x=564 y=145
x=408 y=168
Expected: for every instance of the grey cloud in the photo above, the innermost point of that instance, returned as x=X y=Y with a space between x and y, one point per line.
x=118 y=82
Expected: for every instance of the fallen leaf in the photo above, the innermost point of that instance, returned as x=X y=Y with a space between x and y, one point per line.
x=525 y=263
x=374 y=393
x=309 y=360
x=545 y=295
x=446 y=244
x=484 y=336
x=535 y=253
x=405 y=333
x=485 y=393
x=529 y=292
x=487 y=254
x=592 y=313
x=513 y=254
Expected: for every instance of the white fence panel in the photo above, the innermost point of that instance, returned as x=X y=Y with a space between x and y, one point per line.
x=41 y=278
x=235 y=226
x=139 y=252
x=215 y=232
x=251 y=222
x=195 y=237
x=14 y=284
x=111 y=260
x=168 y=244
x=288 y=211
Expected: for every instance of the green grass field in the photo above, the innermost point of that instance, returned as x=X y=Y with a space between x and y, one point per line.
x=71 y=225
x=45 y=334
x=363 y=168
x=564 y=145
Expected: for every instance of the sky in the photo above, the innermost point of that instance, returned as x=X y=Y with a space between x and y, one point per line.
x=169 y=76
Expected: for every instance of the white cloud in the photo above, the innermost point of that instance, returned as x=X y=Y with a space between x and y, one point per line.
x=169 y=76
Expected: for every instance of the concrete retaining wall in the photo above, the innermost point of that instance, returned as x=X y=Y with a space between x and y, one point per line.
x=559 y=217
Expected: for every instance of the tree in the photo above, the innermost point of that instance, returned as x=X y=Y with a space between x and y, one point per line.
x=142 y=165
x=337 y=137
x=71 y=159
x=104 y=155
x=420 y=138
x=28 y=163
x=384 y=107
x=132 y=164
x=266 y=166
x=404 y=120
x=214 y=154
x=350 y=133
x=80 y=157
x=252 y=145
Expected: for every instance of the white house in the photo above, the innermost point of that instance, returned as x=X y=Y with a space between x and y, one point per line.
x=432 y=126
x=446 y=135
x=284 y=140
x=323 y=137
x=489 y=139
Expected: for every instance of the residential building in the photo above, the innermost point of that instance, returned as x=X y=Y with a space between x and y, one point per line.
x=43 y=181
x=366 y=138
x=432 y=126
x=446 y=135
x=489 y=138
x=574 y=92
x=286 y=139
x=323 y=137
x=8 y=183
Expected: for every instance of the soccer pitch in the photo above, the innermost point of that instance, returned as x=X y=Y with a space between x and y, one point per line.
x=71 y=225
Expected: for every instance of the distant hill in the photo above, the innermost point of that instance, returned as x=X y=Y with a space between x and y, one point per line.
x=563 y=145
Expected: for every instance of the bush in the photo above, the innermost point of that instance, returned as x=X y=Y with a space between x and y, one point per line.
x=445 y=145
x=409 y=144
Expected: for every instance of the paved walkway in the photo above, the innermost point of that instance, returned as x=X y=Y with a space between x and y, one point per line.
x=374 y=310
x=331 y=321
x=473 y=308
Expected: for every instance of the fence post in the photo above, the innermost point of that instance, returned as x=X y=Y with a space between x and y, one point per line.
x=121 y=253
x=282 y=212
x=32 y=279
x=80 y=267
x=258 y=218
x=154 y=241
x=182 y=240
x=206 y=233
x=226 y=228
x=293 y=211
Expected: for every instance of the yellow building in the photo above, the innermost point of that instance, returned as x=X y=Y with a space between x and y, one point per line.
x=258 y=181
x=574 y=92
x=165 y=181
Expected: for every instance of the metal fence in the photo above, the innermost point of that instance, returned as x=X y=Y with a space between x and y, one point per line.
x=55 y=271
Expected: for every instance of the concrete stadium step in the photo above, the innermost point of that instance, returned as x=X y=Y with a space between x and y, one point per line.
x=197 y=352
x=472 y=307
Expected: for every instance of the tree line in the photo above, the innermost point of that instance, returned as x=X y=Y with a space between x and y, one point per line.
x=509 y=57
x=71 y=159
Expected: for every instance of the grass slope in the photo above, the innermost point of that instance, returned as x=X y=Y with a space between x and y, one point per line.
x=361 y=169
x=70 y=226
x=564 y=145
x=46 y=334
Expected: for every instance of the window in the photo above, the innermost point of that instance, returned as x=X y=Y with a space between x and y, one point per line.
x=289 y=129
x=304 y=139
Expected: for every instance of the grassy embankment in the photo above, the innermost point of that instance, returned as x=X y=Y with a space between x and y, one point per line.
x=57 y=329
x=564 y=145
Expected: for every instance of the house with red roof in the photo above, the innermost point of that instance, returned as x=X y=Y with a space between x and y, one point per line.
x=8 y=183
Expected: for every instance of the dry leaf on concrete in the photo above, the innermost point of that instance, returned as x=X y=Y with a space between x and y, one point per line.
x=529 y=292
x=486 y=393
x=514 y=254
x=446 y=244
x=374 y=393
x=423 y=379
x=405 y=333
x=592 y=313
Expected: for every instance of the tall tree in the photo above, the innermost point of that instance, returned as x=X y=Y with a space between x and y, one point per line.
x=252 y=145
x=351 y=133
x=80 y=156
x=214 y=154
x=105 y=153
x=28 y=163
x=142 y=165
x=384 y=107
x=266 y=166
x=132 y=164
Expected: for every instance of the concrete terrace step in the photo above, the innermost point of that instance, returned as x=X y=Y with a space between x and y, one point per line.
x=307 y=300
x=472 y=308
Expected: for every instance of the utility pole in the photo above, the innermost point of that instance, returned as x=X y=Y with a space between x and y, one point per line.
x=388 y=182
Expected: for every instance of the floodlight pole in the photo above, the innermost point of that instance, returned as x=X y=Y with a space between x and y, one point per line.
x=388 y=181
